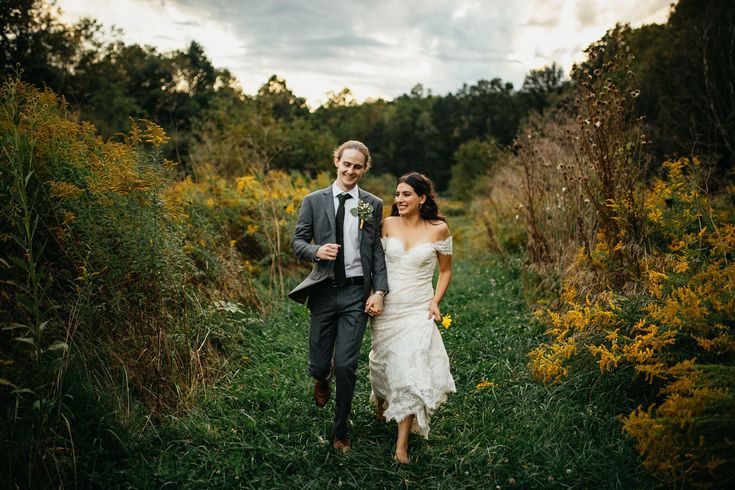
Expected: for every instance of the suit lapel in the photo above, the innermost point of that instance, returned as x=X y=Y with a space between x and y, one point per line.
x=328 y=203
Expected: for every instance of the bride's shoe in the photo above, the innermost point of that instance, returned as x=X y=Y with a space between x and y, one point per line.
x=401 y=456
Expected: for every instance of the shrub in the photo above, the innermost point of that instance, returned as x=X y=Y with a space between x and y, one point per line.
x=676 y=331
x=637 y=271
x=94 y=279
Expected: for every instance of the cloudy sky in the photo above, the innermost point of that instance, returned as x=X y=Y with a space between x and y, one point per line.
x=377 y=48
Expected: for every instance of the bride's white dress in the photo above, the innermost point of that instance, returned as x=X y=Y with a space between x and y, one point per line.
x=409 y=367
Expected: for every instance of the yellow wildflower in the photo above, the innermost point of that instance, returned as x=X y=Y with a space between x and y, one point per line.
x=568 y=294
x=154 y=134
x=64 y=190
x=485 y=384
x=607 y=360
x=67 y=217
x=245 y=182
x=446 y=320
x=681 y=266
x=656 y=216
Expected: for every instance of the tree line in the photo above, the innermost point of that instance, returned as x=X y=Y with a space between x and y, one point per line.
x=108 y=81
x=684 y=69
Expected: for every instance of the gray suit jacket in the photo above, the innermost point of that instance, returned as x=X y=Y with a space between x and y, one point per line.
x=316 y=226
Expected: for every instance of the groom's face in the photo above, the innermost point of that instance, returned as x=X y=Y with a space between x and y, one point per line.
x=350 y=168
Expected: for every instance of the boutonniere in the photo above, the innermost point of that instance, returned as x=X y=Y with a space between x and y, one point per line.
x=363 y=210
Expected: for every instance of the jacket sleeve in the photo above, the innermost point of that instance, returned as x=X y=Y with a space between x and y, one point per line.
x=304 y=232
x=380 y=275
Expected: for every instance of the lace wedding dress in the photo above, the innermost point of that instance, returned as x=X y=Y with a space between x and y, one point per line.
x=409 y=367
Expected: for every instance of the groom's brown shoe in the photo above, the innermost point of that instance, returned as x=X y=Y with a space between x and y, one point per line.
x=321 y=393
x=342 y=444
x=322 y=389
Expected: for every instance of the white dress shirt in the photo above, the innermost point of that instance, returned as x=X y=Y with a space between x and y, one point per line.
x=351 y=230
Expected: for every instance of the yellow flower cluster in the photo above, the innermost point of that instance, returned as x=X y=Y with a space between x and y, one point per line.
x=152 y=133
x=123 y=169
x=258 y=212
x=673 y=324
x=578 y=321
x=64 y=190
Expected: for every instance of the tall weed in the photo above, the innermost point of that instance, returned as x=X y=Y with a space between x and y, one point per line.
x=100 y=299
x=637 y=271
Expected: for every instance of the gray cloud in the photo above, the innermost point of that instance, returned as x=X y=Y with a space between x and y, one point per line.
x=586 y=13
x=384 y=47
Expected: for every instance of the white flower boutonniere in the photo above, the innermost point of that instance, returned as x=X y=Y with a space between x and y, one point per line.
x=364 y=211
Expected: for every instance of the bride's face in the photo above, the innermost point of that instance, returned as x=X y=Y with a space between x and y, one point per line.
x=407 y=201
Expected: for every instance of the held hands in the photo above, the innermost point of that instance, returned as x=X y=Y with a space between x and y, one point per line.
x=328 y=251
x=374 y=304
x=434 y=313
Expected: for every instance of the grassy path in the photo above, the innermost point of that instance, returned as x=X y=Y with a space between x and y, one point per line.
x=260 y=428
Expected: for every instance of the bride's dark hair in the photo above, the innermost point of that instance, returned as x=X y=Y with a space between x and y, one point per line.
x=422 y=185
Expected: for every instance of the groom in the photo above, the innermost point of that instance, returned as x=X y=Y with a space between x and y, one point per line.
x=348 y=279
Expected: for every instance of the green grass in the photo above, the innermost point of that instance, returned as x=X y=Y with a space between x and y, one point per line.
x=259 y=428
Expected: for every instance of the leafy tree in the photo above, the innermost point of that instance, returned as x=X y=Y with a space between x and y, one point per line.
x=242 y=135
x=34 y=39
x=412 y=138
x=687 y=68
x=343 y=98
x=490 y=108
x=681 y=73
x=473 y=160
x=542 y=86
x=275 y=97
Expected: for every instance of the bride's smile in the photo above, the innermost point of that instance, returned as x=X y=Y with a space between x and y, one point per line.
x=407 y=200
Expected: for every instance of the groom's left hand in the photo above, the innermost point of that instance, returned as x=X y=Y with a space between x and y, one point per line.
x=374 y=304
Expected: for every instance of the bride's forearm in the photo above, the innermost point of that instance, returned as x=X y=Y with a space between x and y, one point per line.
x=442 y=284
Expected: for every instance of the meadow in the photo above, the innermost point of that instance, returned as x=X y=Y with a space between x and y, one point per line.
x=257 y=426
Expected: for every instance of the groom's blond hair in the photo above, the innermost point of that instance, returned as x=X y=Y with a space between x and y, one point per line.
x=354 y=145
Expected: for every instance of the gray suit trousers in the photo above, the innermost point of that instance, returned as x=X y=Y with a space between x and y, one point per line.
x=338 y=321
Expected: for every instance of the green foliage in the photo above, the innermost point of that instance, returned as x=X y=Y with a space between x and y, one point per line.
x=259 y=428
x=33 y=347
x=382 y=185
x=636 y=274
x=542 y=87
x=239 y=136
x=35 y=40
x=474 y=160
x=93 y=274
x=684 y=71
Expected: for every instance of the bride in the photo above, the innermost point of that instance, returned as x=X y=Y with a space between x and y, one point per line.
x=409 y=367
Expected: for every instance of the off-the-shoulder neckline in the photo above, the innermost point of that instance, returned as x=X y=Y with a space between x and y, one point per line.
x=417 y=244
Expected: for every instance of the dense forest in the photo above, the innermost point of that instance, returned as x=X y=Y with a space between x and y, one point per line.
x=146 y=198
